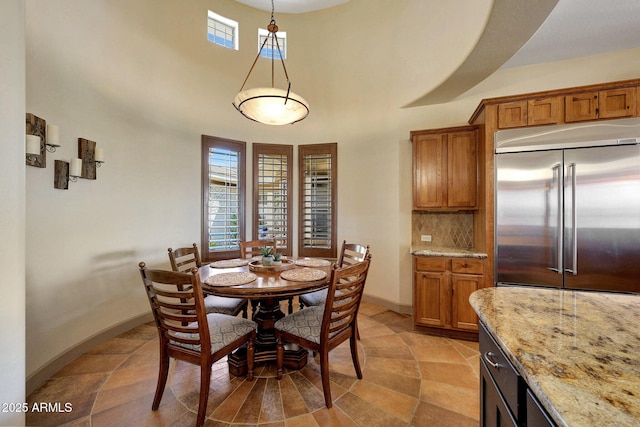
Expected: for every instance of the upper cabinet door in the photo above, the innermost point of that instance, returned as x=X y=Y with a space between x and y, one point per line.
x=429 y=171
x=445 y=169
x=617 y=103
x=581 y=107
x=604 y=104
x=544 y=111
x=512 y=115
x=462 y=160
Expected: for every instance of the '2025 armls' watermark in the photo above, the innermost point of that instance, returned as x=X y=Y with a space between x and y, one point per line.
x=49 y=407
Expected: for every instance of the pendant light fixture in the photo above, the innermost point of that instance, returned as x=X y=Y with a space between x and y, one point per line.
x=270 y=105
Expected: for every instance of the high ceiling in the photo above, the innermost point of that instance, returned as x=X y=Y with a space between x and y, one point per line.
x=541 y=31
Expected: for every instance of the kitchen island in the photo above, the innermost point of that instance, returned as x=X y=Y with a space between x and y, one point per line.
x=577 y=352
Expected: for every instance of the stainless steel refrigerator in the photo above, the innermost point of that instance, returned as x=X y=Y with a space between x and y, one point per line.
x=568 y=206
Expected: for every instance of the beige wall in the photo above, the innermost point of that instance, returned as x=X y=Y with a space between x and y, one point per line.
x=12 y=208
x=140 y=79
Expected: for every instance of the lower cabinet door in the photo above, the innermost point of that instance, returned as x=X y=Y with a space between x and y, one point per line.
x=431 y=298
x=462 y=314
x=493 y=409
x=536 y=415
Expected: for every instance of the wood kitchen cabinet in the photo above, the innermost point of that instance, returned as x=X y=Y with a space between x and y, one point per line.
x=604 y=104
x=601 y=102
x=531 y=112
x=441 y=290
x=615 y=100
x=445 y=168
x=466 y=278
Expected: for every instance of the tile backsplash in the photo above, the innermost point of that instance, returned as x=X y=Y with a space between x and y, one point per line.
x=448 y=229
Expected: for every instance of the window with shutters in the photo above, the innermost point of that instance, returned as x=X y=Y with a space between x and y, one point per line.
x=223 y=188
x=317 y=170
x=272 y=194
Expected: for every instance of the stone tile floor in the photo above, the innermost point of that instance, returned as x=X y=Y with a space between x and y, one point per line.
x=409 y=379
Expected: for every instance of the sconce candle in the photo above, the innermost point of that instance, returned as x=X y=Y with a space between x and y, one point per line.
x=53 y=135
x=99 y=155
x=76 y=167
x=33 y=145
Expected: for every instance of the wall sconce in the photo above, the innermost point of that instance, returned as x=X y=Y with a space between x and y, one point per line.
x=65 y=172
x=53 y=138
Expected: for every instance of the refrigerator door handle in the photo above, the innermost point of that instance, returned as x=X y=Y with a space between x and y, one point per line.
x=571 y=170
x=557 y=178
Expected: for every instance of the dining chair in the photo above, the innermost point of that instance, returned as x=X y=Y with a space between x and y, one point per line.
x=350 y=253
x=322 y=328
x=187 y=332
x=183 y=260
x=251 y=248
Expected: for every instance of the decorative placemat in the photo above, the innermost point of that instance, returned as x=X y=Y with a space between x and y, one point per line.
x=303 y=274
x=312 y=262
x=229 y=263
x=230 y=279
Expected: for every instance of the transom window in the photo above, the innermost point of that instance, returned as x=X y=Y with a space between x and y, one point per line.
x=223 y=197
x=270 y=49
x=272 y=188
x=222 y=31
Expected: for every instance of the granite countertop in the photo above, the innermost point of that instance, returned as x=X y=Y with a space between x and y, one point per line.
x=450 y=252
x=578 y=351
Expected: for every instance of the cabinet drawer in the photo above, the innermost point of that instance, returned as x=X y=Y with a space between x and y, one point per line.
x=467 y=266
x=431 y=264
x=507 y=379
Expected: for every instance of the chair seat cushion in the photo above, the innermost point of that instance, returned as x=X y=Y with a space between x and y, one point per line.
x=230 y=306
x=223 y=330
x=305 y=323
x=314 y=298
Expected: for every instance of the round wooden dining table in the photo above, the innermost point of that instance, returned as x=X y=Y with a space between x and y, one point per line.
x=269 y=286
